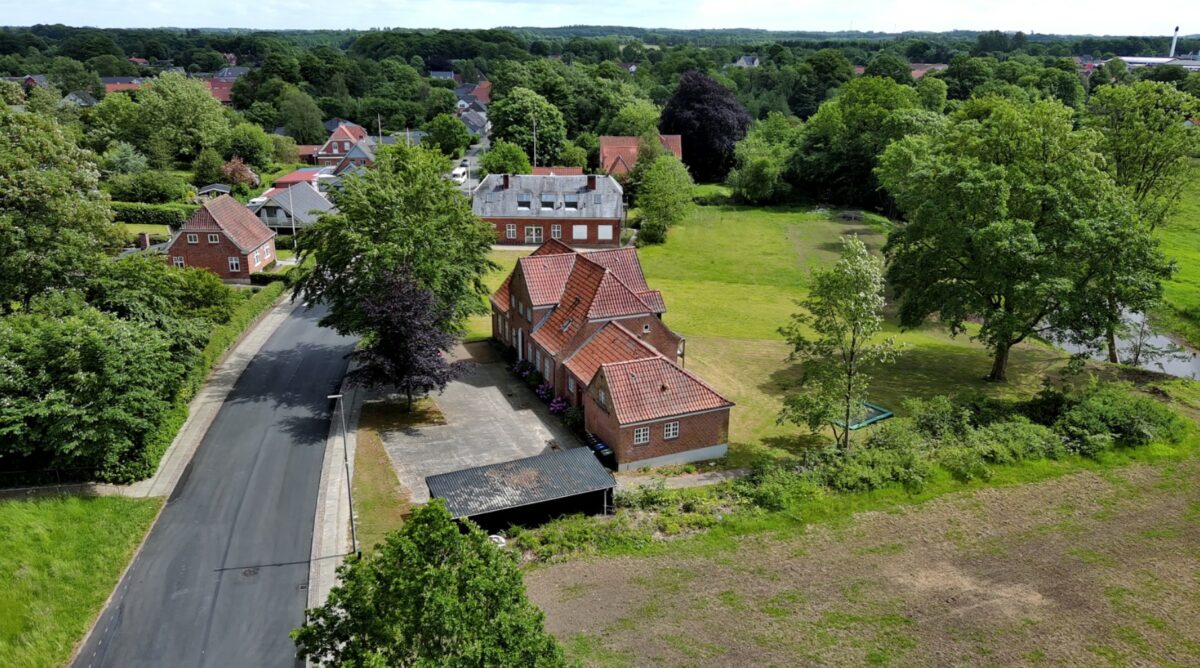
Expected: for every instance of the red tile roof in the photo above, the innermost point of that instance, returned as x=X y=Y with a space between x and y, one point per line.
x=222 y=90
x=611 y=343
x=225 y=213
x=558 y=171
x=572 y=312
x=114 y=87
x=307 y=149
x=546 y=276
x=500 y=297
x=552 y=246
x=618 y=155
x=298 y=176
x=624 y=263
x=613 y=299
x=483 y=92
x=655 y=388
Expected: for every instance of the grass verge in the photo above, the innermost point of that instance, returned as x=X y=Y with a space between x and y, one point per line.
x=61 y=558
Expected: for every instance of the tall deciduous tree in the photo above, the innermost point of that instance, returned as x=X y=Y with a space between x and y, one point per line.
x=401 y=213
x=180 y=118
x=431 y=594
x=664 y=197
x=301 y=117
x=1012 y=221
x=762 y=157
x=407 y=332
x=504 y=158
x=447 y=134
x=514 y=118
x=54 y=230
x=711 y=121
x=835 y=340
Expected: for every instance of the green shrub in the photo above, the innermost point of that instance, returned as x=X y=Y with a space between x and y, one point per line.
x=1016 y=439
x=135 y=213
x=267 y=278
x=774 y=487
x=580 y=534
x=1128 y=419
x=866 y=469
x=897 y=434
x=965 y=463
x=939 y=418
x=645 y=497
x=149 y=187
x=652 y=232
x=1046 y=407
x=573 y=419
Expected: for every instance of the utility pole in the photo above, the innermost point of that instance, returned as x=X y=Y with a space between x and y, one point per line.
x=346 y=461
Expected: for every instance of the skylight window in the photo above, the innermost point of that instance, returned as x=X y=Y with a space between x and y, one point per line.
x=547 y=201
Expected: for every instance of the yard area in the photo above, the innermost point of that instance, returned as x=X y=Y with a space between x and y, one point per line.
x=730 y=277
x=61 y=558
x=1181 y=242
x=1094 y=568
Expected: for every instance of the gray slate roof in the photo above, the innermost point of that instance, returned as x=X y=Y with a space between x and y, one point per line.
x=492 y=200
x=308 y=204
x=475 y=121
x=231 y=72
x=214 y=188
x=522 y=482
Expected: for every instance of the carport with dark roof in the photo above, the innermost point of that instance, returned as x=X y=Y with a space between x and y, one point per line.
x=526 y=491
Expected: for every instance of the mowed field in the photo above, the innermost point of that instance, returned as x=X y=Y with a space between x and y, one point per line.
x=1093 y=568
x=1180 y=238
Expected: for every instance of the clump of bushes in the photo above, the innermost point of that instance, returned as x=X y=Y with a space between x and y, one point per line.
x=148 y=187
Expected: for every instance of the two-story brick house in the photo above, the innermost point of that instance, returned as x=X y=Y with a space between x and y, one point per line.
x=225 y=238
x=572 y=314
x=582 y=210
x=340 y=143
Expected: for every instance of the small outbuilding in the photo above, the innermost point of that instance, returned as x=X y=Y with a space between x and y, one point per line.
x=526 y=491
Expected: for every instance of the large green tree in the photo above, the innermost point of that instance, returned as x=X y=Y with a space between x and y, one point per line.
x=504 y=158
x=401 y=213
x=664 y=197
x=835 y=339
x=711 y=122
x=762 y=157
x=301 y=117
x=447 y=134
x=1012 y=223
x=515 y=117
x=180 y=118
x=432 y=594
x=54 y=229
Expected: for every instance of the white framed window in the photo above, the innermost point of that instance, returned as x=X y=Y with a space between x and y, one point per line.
x=537 y=358
x=266 y=251
x=579 y=231
x=549 y=368
x=602 y=399
x=571 y=384
x=257 y=258
x=571 y=202
x=641 y=435
x=524 y=201
x=533 y=234
x=547 y=202
x=193 y=238
x=214 y=238
x=235 y=263
x=512 y=301
x=556 y=231
x=671 y=430
x=604 y=232
x=646 y=328
x=178 y=261
x=510 y=231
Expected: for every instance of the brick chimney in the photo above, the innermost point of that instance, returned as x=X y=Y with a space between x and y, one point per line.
x=506 y=181
x=591 y=182
x=143 y=240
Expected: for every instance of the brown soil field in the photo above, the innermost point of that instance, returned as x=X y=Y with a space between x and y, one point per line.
x=1085 y=569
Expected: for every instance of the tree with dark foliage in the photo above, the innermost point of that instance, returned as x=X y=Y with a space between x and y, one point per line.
x=406 y=332
x=711 y=121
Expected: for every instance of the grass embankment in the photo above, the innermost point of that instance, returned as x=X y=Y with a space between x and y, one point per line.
x=61 y=557
x=1180 y=238
x=731 y=276
x=153 y=230
x=380 y=502
x=479 y=327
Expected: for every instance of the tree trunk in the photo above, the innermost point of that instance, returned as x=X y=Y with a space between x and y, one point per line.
x=1000 y=364
x=1110 y=334
x=408 y=394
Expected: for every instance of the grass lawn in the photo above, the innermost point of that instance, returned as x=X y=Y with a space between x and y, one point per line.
x=380 y=501
x=480 y=327
x=131 y=228
x=731 y=276
x=61 y=558
x=1181 y=242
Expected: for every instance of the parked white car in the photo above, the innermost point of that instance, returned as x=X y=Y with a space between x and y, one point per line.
x=459 y=175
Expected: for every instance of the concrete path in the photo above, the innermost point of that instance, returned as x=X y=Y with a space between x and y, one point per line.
x=491 y=417
x=222 y=577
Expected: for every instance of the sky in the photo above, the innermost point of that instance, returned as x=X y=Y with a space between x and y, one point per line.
x=1096 y=17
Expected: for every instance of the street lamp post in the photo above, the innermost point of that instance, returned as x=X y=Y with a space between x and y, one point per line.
x=346 y=463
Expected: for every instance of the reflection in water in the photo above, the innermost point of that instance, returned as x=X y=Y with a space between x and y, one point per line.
x=1141 y=346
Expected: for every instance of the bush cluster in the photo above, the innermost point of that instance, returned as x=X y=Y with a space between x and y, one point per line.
x=148 y=187
x=136 y=213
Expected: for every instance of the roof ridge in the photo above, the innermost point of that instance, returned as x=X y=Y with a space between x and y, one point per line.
x=609 y=272
x=675 y=366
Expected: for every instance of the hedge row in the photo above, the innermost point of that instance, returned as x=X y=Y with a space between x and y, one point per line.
x=136 y=213
x=223 y=336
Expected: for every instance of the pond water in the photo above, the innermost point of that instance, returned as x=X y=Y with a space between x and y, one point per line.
x=1143 y=347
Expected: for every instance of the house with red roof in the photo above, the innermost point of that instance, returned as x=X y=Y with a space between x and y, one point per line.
x=592 y=327
x=558 y=171
x=225 y=238
x=222 y=90
x=340 y=143
x=618 y=155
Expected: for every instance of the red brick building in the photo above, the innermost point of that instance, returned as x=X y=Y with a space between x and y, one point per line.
x=592 y=327
x=530 y=209
x=225 y=238
x=618 y=155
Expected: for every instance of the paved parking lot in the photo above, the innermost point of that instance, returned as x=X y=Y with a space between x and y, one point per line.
x=491 y=417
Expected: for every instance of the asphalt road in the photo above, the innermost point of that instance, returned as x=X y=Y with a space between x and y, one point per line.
x=222 y=577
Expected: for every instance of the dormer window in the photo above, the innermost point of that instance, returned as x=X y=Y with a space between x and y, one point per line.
x=571 y=202
x=524 y=201
x=547 y=202
x=646 y=328
x=567 y=325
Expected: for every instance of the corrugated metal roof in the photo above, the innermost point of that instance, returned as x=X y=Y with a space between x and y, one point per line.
x=521 y=482
x=556 y=197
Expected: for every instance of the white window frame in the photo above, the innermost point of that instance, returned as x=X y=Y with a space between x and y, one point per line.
x=579 y=232
x=257 y=258
x=537 y=358
x=214 y=238
x=536 y=238
x=604 y=232
x=235 y=264
x=671 y=430
x=544 y=200
x=571 y=384
x=524 y=201
x=571 y=202
x=178 y=260
x=601 y=399
x=549 y=368
x=556 y=231
x=193 y=238
x=641 y=435
x=510 y=231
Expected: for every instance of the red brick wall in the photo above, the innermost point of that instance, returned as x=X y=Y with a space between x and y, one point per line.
x=568 y=238
x=695 y=431
x=215 y=257
x=660 y=336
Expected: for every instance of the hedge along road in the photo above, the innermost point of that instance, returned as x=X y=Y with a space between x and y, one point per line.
x=221 y=578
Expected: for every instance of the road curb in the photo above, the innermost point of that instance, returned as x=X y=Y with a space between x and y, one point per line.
x=331 y=524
